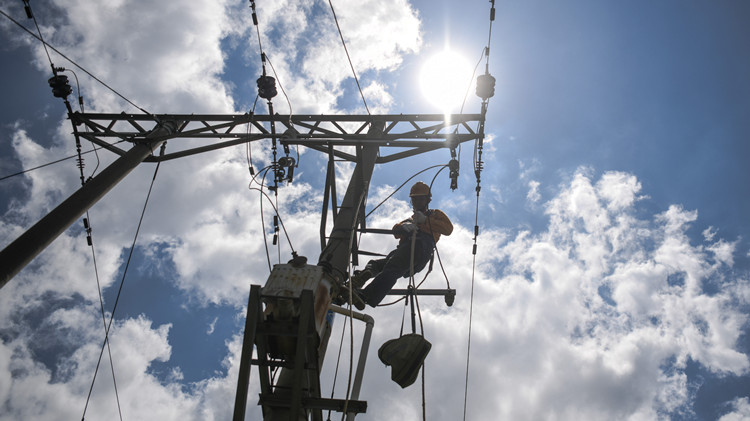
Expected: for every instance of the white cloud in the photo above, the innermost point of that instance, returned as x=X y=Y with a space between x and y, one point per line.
x=533 y=194
x=579 y=321
x=741 y=410
x=310 y=58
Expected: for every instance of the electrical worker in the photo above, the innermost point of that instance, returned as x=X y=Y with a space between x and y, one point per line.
x=425 y=227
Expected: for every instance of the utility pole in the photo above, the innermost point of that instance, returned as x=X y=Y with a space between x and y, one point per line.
x=22 y=251
x=372 y=136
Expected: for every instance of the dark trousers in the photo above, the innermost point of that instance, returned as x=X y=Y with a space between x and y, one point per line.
x=396 y=265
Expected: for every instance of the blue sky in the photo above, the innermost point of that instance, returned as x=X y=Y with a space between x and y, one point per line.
x=612 y=277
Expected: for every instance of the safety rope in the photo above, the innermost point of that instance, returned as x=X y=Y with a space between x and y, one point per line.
x=122 y=282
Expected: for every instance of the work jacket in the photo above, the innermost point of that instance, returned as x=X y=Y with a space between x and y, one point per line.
x=437 y=224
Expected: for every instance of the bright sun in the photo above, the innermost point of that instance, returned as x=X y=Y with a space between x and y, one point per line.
x=444 y=80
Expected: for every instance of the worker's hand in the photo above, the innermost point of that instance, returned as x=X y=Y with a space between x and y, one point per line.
x=408 y=228
x=418 y=217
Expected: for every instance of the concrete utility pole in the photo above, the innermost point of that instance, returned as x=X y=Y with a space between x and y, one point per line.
x=371 y=135
x=25 y=248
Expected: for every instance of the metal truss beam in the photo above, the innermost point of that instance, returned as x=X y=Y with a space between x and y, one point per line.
x=405 y=134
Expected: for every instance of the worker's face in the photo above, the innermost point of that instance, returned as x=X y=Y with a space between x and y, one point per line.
x=420 y=202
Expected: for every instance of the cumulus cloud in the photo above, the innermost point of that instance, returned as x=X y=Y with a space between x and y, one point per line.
x=593 y=317
x=741 y=410
x=310 y=59
x=584 y=320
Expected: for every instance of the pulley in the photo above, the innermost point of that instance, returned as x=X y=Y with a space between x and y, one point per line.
x=60 y=86
x=267 y=87
x=485 y=86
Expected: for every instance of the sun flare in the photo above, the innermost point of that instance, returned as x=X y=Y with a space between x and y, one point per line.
x=444 y=79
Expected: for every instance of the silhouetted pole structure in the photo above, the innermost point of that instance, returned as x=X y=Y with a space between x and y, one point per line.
x=25 y=248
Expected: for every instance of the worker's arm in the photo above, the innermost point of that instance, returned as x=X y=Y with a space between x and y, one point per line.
x=437 y=223
x=401 y=230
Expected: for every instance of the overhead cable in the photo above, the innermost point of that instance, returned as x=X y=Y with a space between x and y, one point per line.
x=486 y=91
x=354 y=72
x=122 y=283
x=52 y=163
x=74 y=63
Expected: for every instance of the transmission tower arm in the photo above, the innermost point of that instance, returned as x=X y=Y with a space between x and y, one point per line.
x=412 y=134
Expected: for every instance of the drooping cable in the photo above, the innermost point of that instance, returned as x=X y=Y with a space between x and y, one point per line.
x=281 y=221
x=401 y=186
x=90 y=242
x=52 y=163
x=289 y=122
x=81 y=106
x=346 y=50
x=282 y=89
x=74 y=63
x=262 y=219
x=89 y=238
x=122 y=283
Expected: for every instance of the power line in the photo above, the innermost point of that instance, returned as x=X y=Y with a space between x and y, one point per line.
x=51 y=163
x=46 y=44
x=348 y=57
x=122 y=283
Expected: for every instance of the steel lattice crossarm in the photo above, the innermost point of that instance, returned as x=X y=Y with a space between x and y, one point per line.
x=410 y=134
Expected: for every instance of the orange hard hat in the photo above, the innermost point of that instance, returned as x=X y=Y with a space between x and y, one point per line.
x=420 y=189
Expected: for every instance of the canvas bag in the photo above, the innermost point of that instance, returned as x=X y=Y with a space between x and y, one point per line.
x=405 y=355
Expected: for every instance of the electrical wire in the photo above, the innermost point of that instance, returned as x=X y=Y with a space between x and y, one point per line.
x=262 y=219
x=281 y=221
x=104 y=318
x=402 y=185
x=122 y=283
x=477 y=170
x=53 y=162
x=471 y=310
x=74 y=63
x=282 y=89
x=356 y=79
x=33 y=17
x=289 y=122
x=80 y=105
x=338 y=360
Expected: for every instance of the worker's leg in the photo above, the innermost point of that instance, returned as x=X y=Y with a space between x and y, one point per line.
x=372 y=268
x=397 y=265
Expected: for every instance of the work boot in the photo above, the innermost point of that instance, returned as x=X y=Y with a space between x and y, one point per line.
x=360 y=277
x=343 y=297
x=358 y=299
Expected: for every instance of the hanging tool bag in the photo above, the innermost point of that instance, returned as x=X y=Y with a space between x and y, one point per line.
x=405 y=355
